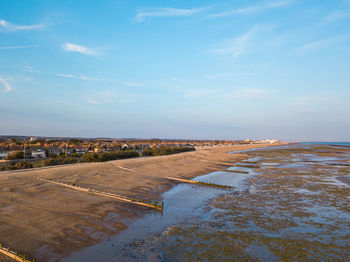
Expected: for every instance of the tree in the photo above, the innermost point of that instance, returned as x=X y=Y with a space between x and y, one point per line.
x=15 y=155
x=23 y=165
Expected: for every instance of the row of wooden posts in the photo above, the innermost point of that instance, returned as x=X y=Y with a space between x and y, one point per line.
x=154 y=204
x=144 y=202
x=233 y=171
x=14 y=255
x=200 y=183
x=249 y=165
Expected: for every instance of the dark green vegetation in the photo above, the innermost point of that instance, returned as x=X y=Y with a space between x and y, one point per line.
x=59 y=160
x=293 y=211
x=15 y=155
x=63 y=160
x=102 y=157
x=166 y=150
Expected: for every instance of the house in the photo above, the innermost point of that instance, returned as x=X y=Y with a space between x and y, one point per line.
x=3 y=153
x=80 y=150
x=38 y=153
x=54 y=151
x=67 y=150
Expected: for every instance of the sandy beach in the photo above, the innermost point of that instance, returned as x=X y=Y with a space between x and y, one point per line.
x=48 y=221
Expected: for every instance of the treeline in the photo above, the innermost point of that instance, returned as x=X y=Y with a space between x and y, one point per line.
x=62 y=160
x=59 y=160
x=107 y=156
x=166 y=150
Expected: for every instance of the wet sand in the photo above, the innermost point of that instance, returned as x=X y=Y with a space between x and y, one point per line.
x=48 y=221
x=285 y=212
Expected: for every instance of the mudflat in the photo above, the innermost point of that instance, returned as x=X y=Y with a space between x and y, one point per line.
x=48 y=221
x=345 y=179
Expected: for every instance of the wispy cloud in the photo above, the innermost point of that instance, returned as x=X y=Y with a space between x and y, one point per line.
x=30 y=69
x=89 y=78
x=82 y=77
x=69 y=47
x=7 y=26
x=252 y=10
x=66 y=75
x=319 y=45
x=6 y=85
x=18 y=47
x=234 y=47
x=143 y=14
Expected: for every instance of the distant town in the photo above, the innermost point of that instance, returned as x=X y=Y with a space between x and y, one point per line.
x=33 y=148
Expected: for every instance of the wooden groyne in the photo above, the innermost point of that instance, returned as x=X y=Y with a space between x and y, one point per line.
x=14 y=255
x=248 y=165
x=233 y=171
x=143 y=202
x=240 y=164
x=216 y=163
x=200 y=183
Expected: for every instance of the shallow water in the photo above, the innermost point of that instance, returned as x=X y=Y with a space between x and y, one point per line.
x=287 y=210
x=183 y=202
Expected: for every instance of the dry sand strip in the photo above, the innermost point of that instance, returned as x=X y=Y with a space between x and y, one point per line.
x=142 y=202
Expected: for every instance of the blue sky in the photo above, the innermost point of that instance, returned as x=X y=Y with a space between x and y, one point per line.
x=176 y=69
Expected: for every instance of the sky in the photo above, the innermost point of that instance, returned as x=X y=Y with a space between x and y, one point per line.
x=176 y=69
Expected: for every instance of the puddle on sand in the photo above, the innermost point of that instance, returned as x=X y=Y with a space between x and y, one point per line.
x=183 y=202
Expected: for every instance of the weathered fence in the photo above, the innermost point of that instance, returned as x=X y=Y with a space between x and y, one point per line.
x=201 y=183
x=14 y=255
x=233 y=171
x=143 y=202
x=247 y=166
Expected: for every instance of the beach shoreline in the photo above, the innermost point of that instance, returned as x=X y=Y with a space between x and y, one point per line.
x=49 y=222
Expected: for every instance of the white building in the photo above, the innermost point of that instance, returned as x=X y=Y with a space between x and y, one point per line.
x=3 y=153
x=38 y=153
x=54 y=150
